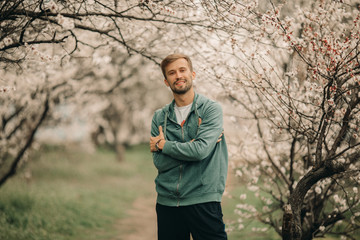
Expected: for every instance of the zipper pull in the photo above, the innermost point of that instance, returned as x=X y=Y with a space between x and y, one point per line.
x=182 y=123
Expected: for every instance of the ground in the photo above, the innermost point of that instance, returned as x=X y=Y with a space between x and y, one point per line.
x=141 y=220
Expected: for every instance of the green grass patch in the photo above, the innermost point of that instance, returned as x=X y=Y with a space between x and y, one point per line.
x=77 y=195
x=73 y=194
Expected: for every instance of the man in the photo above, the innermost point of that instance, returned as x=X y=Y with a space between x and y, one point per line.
x=190 y=153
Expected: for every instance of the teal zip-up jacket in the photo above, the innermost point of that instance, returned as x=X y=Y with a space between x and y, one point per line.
x=191 y=172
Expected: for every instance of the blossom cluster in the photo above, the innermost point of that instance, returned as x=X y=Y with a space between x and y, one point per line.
x=66 y=23
x=6 y=89
x=35 y=53
x=159 y=6
x=51 y=5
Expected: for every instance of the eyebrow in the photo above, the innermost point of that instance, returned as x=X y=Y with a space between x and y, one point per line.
x=180 y=68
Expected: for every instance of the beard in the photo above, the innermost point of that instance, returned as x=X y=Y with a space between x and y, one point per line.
x=183 y=89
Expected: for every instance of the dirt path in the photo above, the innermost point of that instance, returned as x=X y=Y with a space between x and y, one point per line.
x=140 y=224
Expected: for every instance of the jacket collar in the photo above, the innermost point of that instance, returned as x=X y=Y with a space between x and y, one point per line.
x=198 y=101
x=170 y=113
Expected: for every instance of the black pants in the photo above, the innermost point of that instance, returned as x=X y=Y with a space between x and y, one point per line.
x=204 y=222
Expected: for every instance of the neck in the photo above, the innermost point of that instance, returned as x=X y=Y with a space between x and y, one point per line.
x=184 y=99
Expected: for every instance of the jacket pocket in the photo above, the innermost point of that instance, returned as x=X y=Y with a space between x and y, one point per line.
x=191 y=184
x=210 y=174
x=166 y=182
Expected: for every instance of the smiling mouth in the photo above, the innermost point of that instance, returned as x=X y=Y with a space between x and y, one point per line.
x=180 y=82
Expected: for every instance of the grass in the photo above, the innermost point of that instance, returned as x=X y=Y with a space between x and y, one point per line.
x=73 y=194
x=76 y=195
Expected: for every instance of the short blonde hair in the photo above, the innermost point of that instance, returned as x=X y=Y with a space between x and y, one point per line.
x=172 y=58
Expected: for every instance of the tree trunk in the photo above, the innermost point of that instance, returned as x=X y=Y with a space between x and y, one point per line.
x=120 y=151
x=20 y=154
x=292 y=225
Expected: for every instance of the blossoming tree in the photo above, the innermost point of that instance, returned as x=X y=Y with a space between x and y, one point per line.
x=297 y=74
x=294 y=71
x=45 y=46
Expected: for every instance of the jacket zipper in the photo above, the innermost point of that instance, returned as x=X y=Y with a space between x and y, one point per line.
x=181 y=166
x=178 y=185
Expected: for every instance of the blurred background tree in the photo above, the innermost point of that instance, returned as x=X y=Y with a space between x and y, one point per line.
x=76 y=52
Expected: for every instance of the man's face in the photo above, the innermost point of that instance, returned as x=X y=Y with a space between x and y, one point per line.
x=179 y=76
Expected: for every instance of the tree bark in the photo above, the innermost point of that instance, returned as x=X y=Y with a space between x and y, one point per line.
x=292 y=226
x=120 y=151
x=17 y=159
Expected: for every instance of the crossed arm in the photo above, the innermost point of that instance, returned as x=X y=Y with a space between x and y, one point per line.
x=175 y=153
x=162 y=161
x=157 y=143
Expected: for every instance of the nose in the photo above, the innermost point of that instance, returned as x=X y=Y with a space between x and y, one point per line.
x=178 y=74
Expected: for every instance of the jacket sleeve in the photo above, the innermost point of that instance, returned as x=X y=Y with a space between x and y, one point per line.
x=205 y=142
x=161 y=161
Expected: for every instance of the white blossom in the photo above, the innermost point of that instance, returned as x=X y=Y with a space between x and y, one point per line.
x=253 y=188
x=238 y=173
x=243 y=196
x=65 y=22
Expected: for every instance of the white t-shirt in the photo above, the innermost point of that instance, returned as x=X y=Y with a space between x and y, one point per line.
x=182 y=113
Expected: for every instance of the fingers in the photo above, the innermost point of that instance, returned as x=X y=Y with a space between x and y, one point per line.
x=152 y=143
x=161 y=134
x=220 y=137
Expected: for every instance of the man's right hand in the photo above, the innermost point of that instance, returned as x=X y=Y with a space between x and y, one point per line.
x=160 y=139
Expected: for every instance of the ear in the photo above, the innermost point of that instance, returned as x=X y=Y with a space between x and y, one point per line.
x=166 y=82
x=193 y=75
